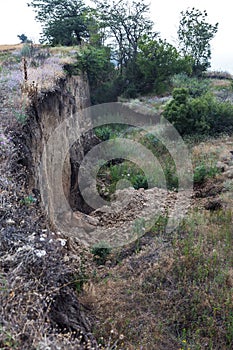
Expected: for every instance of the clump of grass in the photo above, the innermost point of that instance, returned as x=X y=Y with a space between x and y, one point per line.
x=205 y=156
x=203 y=172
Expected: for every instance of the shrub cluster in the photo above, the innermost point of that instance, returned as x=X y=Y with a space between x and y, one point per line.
x=199 y=115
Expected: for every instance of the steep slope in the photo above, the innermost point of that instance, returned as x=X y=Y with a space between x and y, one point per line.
x=40 y=274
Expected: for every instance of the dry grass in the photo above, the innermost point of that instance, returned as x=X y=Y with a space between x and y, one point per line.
x=16 y=47
x=220 y=83
x=10 y=47
x=39 y=71
x=212 y=150
x=63 y=49
x=176 y=293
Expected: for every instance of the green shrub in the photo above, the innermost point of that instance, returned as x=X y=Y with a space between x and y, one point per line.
x=103 y=132
x=203 y=172
x=130 y=91
x=110 y=131
x=110 y=90
x=200 y=115
x=81 y=277
x=140 y=181
x=28 y=200
x=101 y=251
x=95 y=62
x=177 y=111
x=27 y=50
x=221 y=117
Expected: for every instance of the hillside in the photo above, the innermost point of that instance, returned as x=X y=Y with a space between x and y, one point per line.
x=161 y=289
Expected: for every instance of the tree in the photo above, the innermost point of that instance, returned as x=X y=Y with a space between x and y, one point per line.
x=158 y=61
x=24 y=39
x=64 y=21
x=126 y=22
x=194 y=35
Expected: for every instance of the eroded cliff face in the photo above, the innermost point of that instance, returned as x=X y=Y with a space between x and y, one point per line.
x=34 y=260
x=54 y=146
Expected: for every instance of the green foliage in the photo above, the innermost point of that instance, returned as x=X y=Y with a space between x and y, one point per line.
x=203 y=172
x=95 y=31
x=28 y=200
x=127 y=171
x=127 y=23
x=221 y=117
x=121 y=174
x=195 y=86
x=101 y=251
x=201 y=115
x=140 y=181
x=194 y=35
x=130 y=90
x=170 y=173
x=96 y=63
x=103 y=133
x=20 y=115
x=176 y=111
x=158 y=61
x=107 y=132
x=64 y=21
x=108 y=91
x=27 y=50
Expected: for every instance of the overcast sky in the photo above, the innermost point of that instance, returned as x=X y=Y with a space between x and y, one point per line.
x=16 y=18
